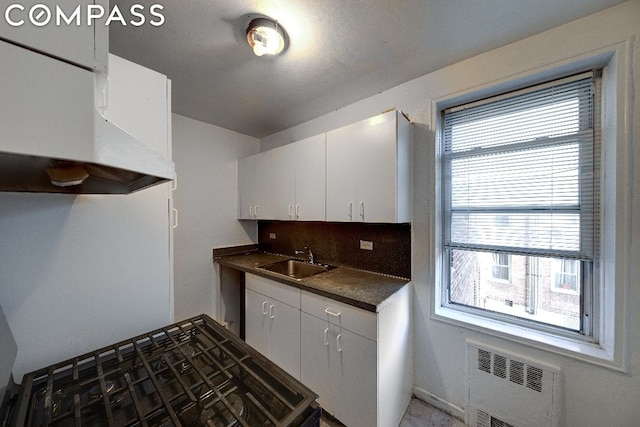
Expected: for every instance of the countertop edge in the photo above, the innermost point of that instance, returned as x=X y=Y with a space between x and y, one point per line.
x=226 y=260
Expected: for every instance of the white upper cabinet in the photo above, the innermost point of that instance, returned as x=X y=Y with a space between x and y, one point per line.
x=44 y=101
x=298 y=189
x=81 y=44
x=369 y=170
x=360 y=172
x=255 y=189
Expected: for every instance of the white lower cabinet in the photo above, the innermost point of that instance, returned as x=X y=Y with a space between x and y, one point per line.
x=357 y=361
x=272 y=321
x=340 y=366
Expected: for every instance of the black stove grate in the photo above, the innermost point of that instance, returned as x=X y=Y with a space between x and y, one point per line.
x=190 y=373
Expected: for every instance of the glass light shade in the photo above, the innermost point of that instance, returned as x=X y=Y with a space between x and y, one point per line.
x=266 y=37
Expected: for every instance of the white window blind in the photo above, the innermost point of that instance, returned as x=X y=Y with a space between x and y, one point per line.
x=519 y=172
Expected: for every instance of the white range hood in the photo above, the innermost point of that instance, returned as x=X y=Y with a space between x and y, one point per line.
x=55 y=135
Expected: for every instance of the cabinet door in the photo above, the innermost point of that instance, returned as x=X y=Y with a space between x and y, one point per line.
x=246 y=187
x=283 y=190
x=342 y=156
x=43 y=101
x=257 y=322
x=284 y=337
x=310 y=178
x=368 y=170
x=272 y=326
x=255 y=188
x=375 y=170
x=317 y=360
x=355 y=377
x=85 y=45
x=263 y=186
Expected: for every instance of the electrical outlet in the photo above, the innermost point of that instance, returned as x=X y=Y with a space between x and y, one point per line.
x=366 y=245
x=272 y=236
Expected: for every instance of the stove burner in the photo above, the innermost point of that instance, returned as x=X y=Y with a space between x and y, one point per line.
x=57 y=400
x=218 y=416
x=192 y=373
x=95 y=392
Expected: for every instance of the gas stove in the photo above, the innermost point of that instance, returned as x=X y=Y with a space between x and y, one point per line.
x=191 y=373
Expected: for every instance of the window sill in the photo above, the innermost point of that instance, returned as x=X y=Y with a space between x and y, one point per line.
x=571 y=347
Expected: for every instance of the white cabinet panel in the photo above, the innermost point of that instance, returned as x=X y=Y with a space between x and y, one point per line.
x=257 y=324
x=278 y=291
x=310 y=179
x=368 y=170
x=358 y=362
x=85 y=45
x=340 y=366
x=357 y=320
x=45 y=101
x=255 y=188
x=138 y=101
x=298 y=190
x=318 y=360
x=273 y=327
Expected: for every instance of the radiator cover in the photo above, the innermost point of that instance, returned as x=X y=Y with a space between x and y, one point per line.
x=510 y=390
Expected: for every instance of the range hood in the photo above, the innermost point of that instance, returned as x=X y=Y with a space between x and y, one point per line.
x=56 y=135
x=121 y=165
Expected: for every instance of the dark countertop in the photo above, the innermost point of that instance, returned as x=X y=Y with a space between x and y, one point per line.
x=358 y=288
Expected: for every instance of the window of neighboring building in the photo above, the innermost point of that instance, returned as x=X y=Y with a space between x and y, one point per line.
x=500 y=269
x=566 y=275
x=520 y=197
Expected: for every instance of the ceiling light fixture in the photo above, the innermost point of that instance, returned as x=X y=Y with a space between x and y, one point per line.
x=266 y=37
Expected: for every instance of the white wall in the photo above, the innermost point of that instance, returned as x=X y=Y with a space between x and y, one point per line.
x=81 y=272
x=207 y=202
x=592 y=395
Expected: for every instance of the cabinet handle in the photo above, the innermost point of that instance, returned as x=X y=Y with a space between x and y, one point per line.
x=174 y=187
x=271 y=313
x=339 y=343
x=255 y=210
x=264 y=308
x=175 y=217
x=297 y=211
x=326 y=338
x=290 y=211
x=350 y=214
x=362 y=210
x=326 y=310
x=250 y=211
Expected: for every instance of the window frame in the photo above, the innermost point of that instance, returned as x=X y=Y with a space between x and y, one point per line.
x=612 y=282
x=586 y=330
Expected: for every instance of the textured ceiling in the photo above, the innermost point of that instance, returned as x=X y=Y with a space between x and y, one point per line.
x=341 y=50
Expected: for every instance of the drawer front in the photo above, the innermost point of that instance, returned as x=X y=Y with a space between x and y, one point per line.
x=275 y=290
x=354 y=319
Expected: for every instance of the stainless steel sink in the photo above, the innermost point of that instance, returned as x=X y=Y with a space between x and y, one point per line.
x=295 y=268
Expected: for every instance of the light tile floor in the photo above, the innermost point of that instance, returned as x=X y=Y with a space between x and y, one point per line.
x=418 y=414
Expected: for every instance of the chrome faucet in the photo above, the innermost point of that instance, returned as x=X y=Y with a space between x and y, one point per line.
x=308 y=252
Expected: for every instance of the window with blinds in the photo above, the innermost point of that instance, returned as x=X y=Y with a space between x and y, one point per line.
x=520 y=183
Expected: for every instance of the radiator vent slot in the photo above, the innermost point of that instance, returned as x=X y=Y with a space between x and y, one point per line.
x=499 y=366
x=517 y=372
x=510 y=390
x=534 y=378
x=486 y=420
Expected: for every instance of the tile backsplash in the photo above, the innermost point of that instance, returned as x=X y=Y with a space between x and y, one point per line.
x=339 y=243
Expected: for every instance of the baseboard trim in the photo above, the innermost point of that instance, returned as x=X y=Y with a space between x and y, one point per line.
x=433 y=400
